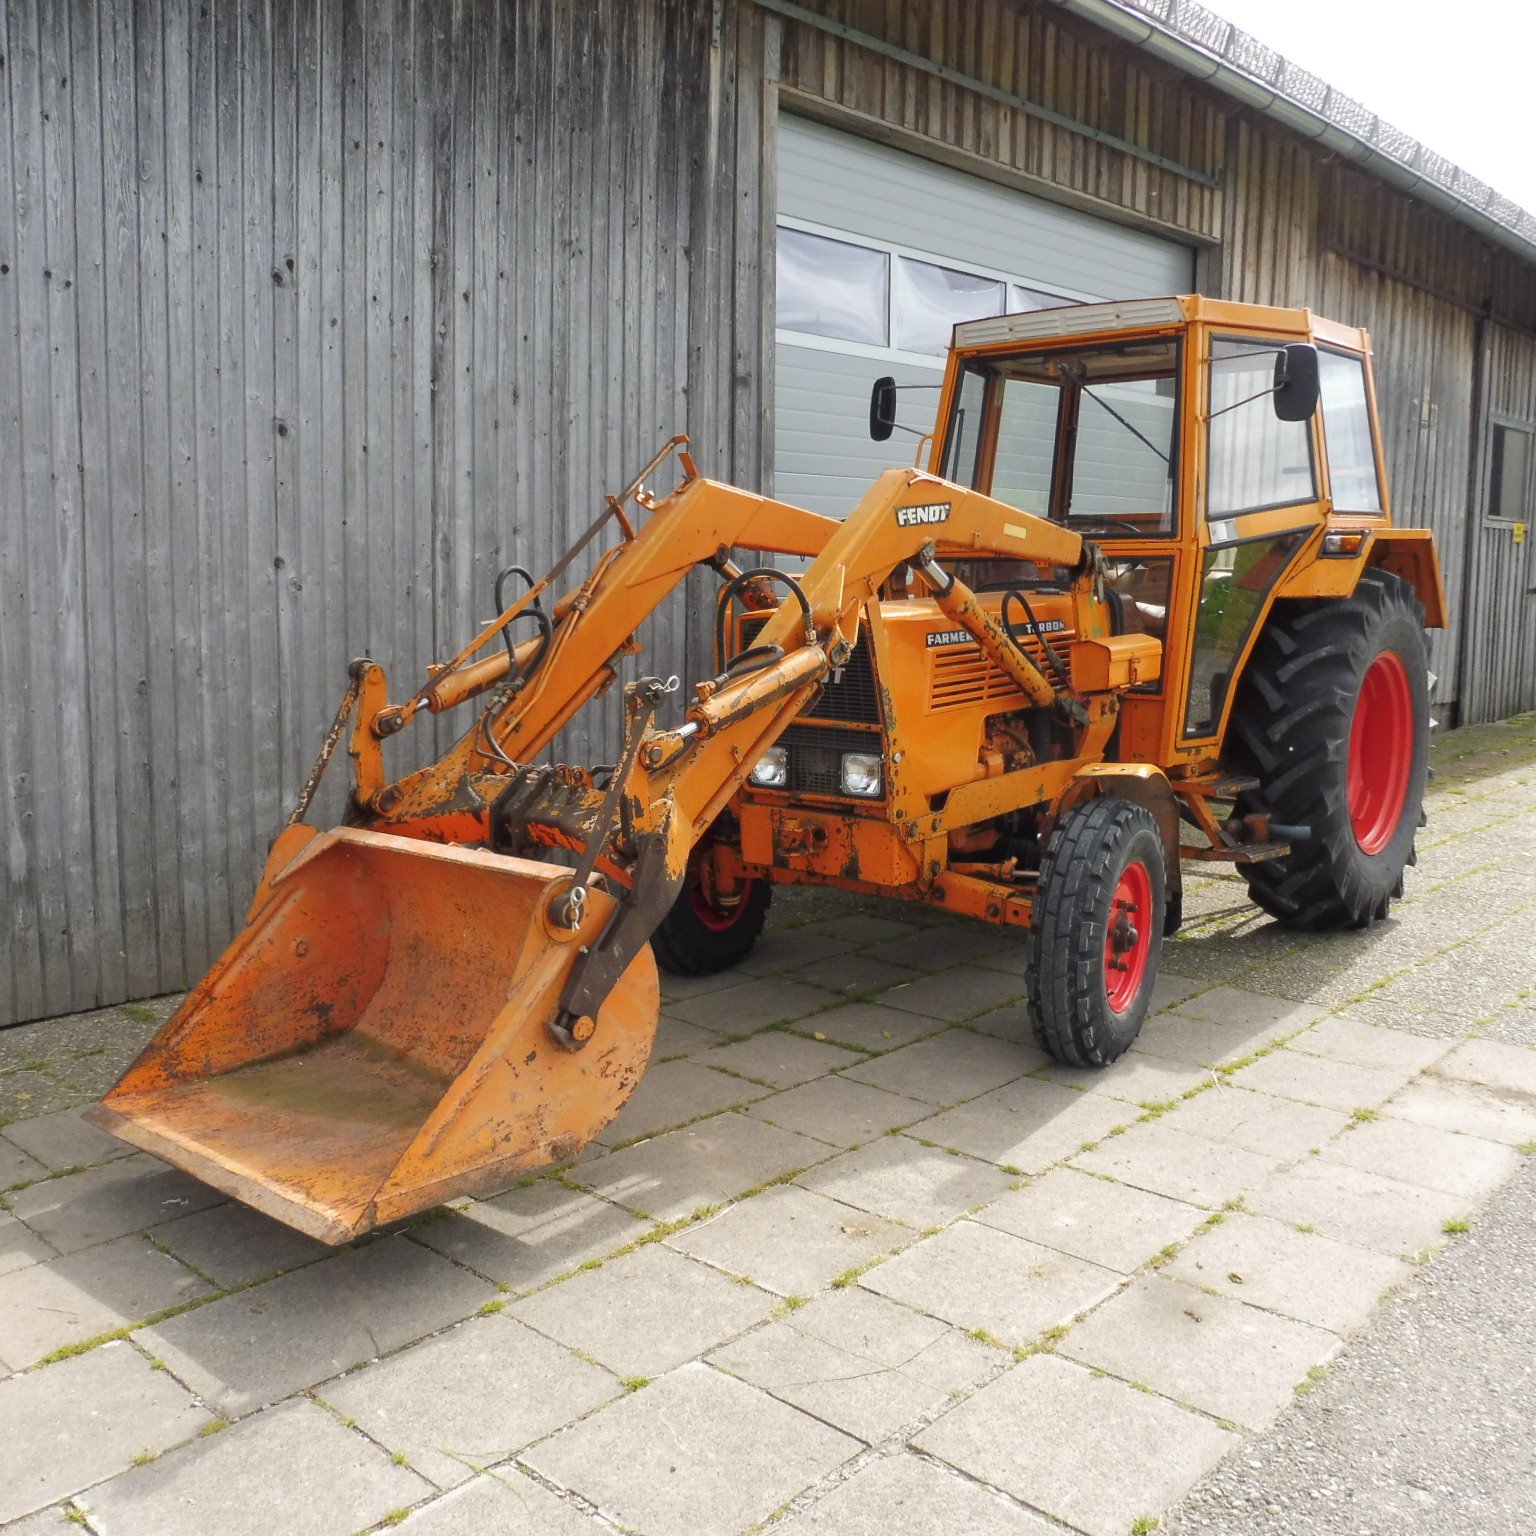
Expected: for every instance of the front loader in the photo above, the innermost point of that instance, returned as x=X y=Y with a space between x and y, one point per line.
x=999 y=687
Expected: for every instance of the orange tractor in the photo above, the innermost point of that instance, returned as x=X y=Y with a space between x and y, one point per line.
x=1148 y=580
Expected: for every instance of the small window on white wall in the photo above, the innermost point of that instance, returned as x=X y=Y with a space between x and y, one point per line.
x=832 y=288
x=932 y=300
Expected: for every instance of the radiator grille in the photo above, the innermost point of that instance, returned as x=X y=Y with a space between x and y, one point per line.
x=816 y=756
x=849 y=693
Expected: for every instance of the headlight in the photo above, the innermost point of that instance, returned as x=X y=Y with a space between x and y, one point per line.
x=772 y=770
x=861 y=773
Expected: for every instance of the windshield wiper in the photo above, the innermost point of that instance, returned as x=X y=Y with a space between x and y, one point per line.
x=1135 y=431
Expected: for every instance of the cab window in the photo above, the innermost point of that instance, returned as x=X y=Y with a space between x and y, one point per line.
x=1254 y=460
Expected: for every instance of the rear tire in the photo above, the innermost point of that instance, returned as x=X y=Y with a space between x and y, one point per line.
x=1333 y=720
x=700 y=935
x=1100 y=910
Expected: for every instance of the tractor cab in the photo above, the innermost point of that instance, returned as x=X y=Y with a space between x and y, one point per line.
x=1218 y=455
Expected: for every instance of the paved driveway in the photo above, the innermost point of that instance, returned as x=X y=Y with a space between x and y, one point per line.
x=855 y=1258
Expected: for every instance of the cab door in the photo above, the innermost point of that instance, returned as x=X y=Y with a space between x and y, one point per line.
x=1260 y=499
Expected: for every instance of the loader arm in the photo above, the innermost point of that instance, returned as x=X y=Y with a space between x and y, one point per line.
x=399 y=1021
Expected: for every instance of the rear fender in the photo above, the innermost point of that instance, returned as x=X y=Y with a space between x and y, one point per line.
x=1405 y=552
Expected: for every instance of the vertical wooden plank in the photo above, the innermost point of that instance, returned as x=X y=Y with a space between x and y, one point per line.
x=184 y=515
x=21 y=258
x=161 y=599
x=127 y=535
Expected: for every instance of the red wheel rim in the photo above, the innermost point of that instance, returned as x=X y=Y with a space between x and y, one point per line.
x=1380 y=752
x=1128 y=941
x=718 y=919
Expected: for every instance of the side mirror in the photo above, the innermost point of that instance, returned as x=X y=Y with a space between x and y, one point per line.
x=1296 y=382
x=882 y=409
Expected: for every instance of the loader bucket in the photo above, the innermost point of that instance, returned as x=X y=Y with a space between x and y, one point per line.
x=374 y=1043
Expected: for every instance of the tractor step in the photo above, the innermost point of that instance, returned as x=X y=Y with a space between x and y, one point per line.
x=1243 y=853
x=1216 y=786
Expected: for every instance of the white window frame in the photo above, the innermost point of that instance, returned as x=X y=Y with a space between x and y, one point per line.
x=1528 y=495
x=927 y=360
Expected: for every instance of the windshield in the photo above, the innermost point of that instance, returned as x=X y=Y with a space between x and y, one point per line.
x=1084 y=436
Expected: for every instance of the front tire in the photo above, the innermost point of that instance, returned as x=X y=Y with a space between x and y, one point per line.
x=1333 y=720
x=1099 y=914
x=703 y=933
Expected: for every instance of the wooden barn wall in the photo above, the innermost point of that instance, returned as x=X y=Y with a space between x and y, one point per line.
x=1300 y=232
x=312 y=315
x=1500 y=668
x=1031 y=51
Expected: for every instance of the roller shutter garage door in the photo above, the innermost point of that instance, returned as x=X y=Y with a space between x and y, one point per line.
x=880 y=253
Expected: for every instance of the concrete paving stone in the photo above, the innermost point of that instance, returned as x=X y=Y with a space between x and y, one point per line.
x=865 y=928
x=1301 y=1275
x=16 y=1167
x=1257 y=1122
x=791 y=1241
x=676 y=989
x=782 y=1060
x=1512 y=1026
x=1210 y=1352
x=1321 y=1080
x=1136 y=1078
x=753 y=1005
x=1457 y=983
x=1368 y=1045
x=896 y=1337
x=1016 y=958
x=955 y=995
x=646 y=1312
x=1418 y=1154
x=1232 y=1005
x=906 y=1495
x=71 y=1424
x=46 y=1522
x=904 y=1181
x=671 y=1094
x=948 y=1069
x=1442 y=1023
x=977 y=1277
x=1112 y=1225
x=1178 y=1036
x=64 y=1140
x=1492 y=1064
x=259 y=1345
x=674 y=1037
x=234 y=1245
x=839 y=1111
x=468 y=1398
x=1188 y=1168
x=871 y=1027
x=1027 y=1124
x=77 y=1210
x=853 y=972
x=697 y=1451
x=1145 y=1454
x=1170 y=989
x=845 y=1390
x=20 y=1246
x=1012 y=1023
x=292 y=1469
x=525 y=1237
x=790 y=949
x=86 y=1294
x=24 y=1094
x=942 y=945
x=505 y=1503
x=1356 y=1207
x=1453 y=1106
x=704 y=1164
